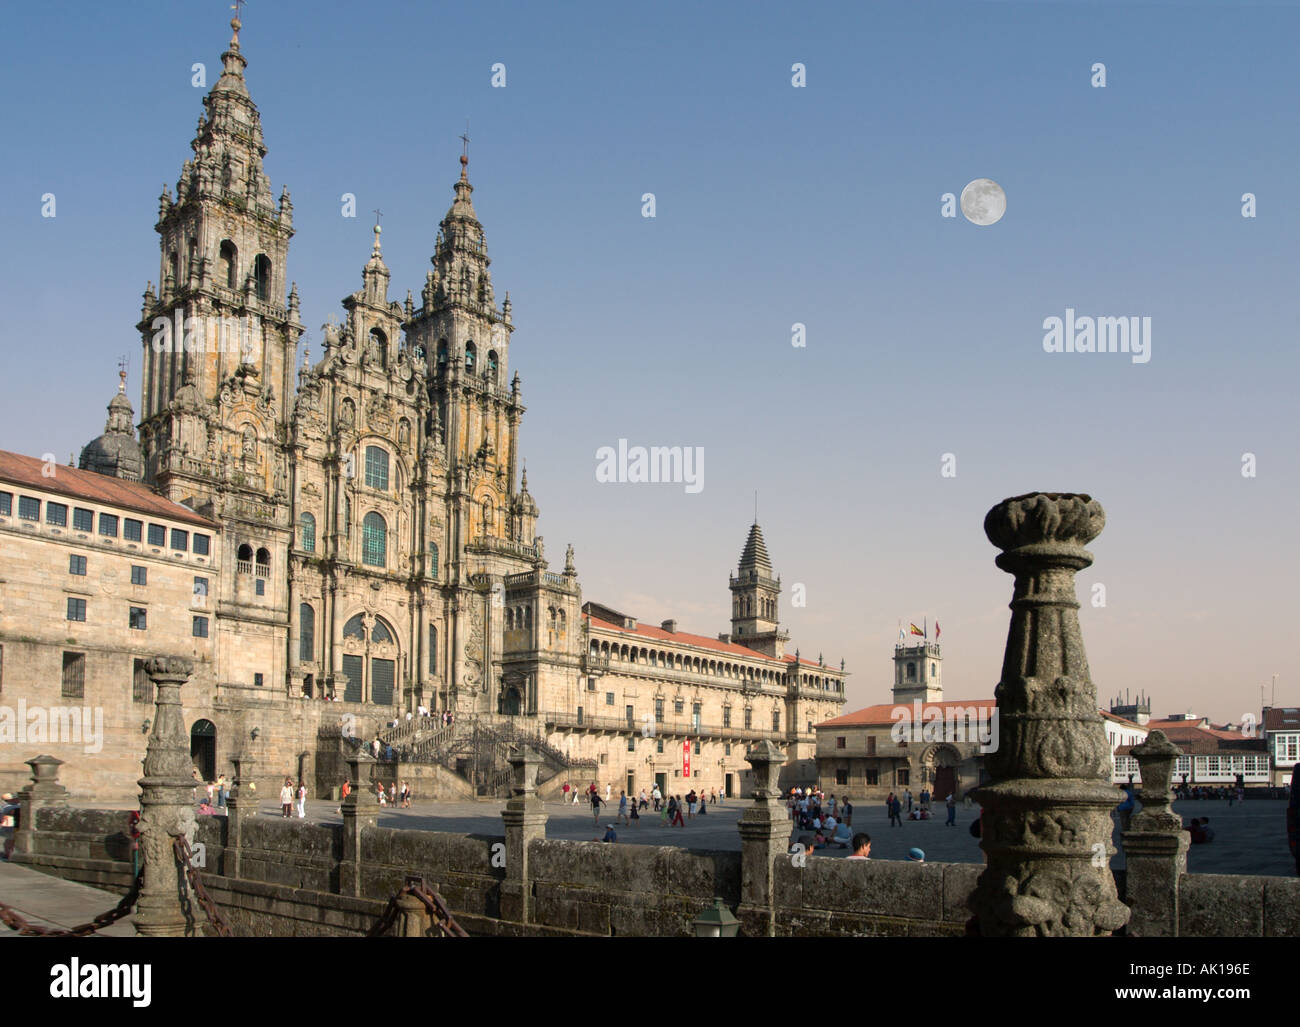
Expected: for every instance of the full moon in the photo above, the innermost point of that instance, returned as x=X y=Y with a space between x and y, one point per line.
x=983 y=202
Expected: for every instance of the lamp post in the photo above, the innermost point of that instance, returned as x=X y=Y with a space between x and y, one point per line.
x=716 y=922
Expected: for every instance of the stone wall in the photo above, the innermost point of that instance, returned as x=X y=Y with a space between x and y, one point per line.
x=290 y=872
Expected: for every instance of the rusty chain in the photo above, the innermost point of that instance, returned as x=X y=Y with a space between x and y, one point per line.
x=441 y=916
x=11 y=918
x=181 y=847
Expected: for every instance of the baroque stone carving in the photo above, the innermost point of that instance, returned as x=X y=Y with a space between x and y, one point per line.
x=1047 y=806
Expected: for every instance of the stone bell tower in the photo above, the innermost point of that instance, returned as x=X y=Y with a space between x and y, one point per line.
x=218 y=334
x=755 y=596
x=918 y=673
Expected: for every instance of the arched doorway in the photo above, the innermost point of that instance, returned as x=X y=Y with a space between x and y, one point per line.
x=203 y=748
x=940 y=770
x=511 y=701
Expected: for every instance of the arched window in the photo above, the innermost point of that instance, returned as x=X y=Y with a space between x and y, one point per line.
x=433 y=559
x=934 y=669
x=355 y=628
x=442 y=352
x=228 y=265
x=306 y=633
x=492 y=365
x=380 y=340
x=263 y=568
x=262 y=277
x=307 y=525
x=244 y=559
x=374 y=540
x=376 y=468
x=381 y=632
x=911 y=672
x=470 y=353
x=488 y=519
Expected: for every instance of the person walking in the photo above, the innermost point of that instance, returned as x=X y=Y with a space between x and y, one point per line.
x=895 y=812
x=302 y=801
x=642 y=801
x=658 y=797
x=286 y=797
x=221 y=790
x=565 y=792
x=690 y=803
x=635 y=815
x=609 y=791
x=951 y=803
x=675 y=812
x=848 y=812
x=908 y=796
x=595 y=805
x=622 y=807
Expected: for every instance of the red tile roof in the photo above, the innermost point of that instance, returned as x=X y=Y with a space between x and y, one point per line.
x=1282 y=718
x=873 y=716
x=19 y=470
x=1199 y=741
x=702 y=641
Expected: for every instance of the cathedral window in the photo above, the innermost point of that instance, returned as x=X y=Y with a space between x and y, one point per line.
x=306 y=633
x=492 y=365
x=380 y=342
x=470 y=353
x=433 y=649
x=199 y=627
x=374 y=540
x=228 y=265
x=355 y=628
x=243 y=555
x=726 y=716
x=307 y=525
x=381 y=632
x=749 y=719
x=347 y=516
x=173 y=265
x=376 y=468
x=433 y=559
x=442 y=352
x=911 y=672
x=262 y=277
x=263 y=568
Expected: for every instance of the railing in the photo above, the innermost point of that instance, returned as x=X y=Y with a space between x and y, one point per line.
x=243 y=566
x=678 y=728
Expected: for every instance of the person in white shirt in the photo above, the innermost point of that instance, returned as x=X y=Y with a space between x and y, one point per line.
x=302 y=801
x=861 y=846
x=286 y=797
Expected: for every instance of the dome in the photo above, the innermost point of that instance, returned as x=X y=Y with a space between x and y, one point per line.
x=116 y=453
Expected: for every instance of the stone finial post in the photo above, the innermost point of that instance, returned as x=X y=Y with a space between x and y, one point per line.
x=1155 y=846
x=1047 y=808
x=359 y=812
x=242 y=805
x=166 y=802
x=44 y=790
x=764 y=838
x=525 y=819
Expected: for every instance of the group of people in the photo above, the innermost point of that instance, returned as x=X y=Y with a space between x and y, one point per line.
x=918 y=810
x=1231 y=793
x=813 y=811
x=288 y=795
x=630 y=808
x=396 y=796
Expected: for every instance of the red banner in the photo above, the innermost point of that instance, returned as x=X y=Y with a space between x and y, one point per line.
x=686 y=758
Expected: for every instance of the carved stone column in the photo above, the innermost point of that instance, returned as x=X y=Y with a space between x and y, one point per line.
x=1155 y=846
x=242 y=805
x=764 y=837
x=1047 y=810
x=359 y=812
x=44 y=790
x=525 y=819
x=166 y=802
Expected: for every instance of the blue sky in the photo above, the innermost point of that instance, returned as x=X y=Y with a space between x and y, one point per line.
x=774 y=205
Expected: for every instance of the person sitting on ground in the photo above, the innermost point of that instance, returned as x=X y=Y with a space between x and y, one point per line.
x=1206 y=829
x=916 y=856
x=861 y=846
x=610 y=836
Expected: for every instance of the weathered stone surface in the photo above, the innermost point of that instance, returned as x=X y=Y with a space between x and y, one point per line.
x=1219 y=906
x=1281 y=907
x=959 y=882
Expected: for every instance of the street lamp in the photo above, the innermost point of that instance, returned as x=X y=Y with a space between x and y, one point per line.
x=716 y=922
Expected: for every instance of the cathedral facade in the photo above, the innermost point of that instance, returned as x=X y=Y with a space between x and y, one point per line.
x=373 y=542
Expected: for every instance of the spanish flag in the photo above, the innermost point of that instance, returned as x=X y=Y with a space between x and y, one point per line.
x=917 y=631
